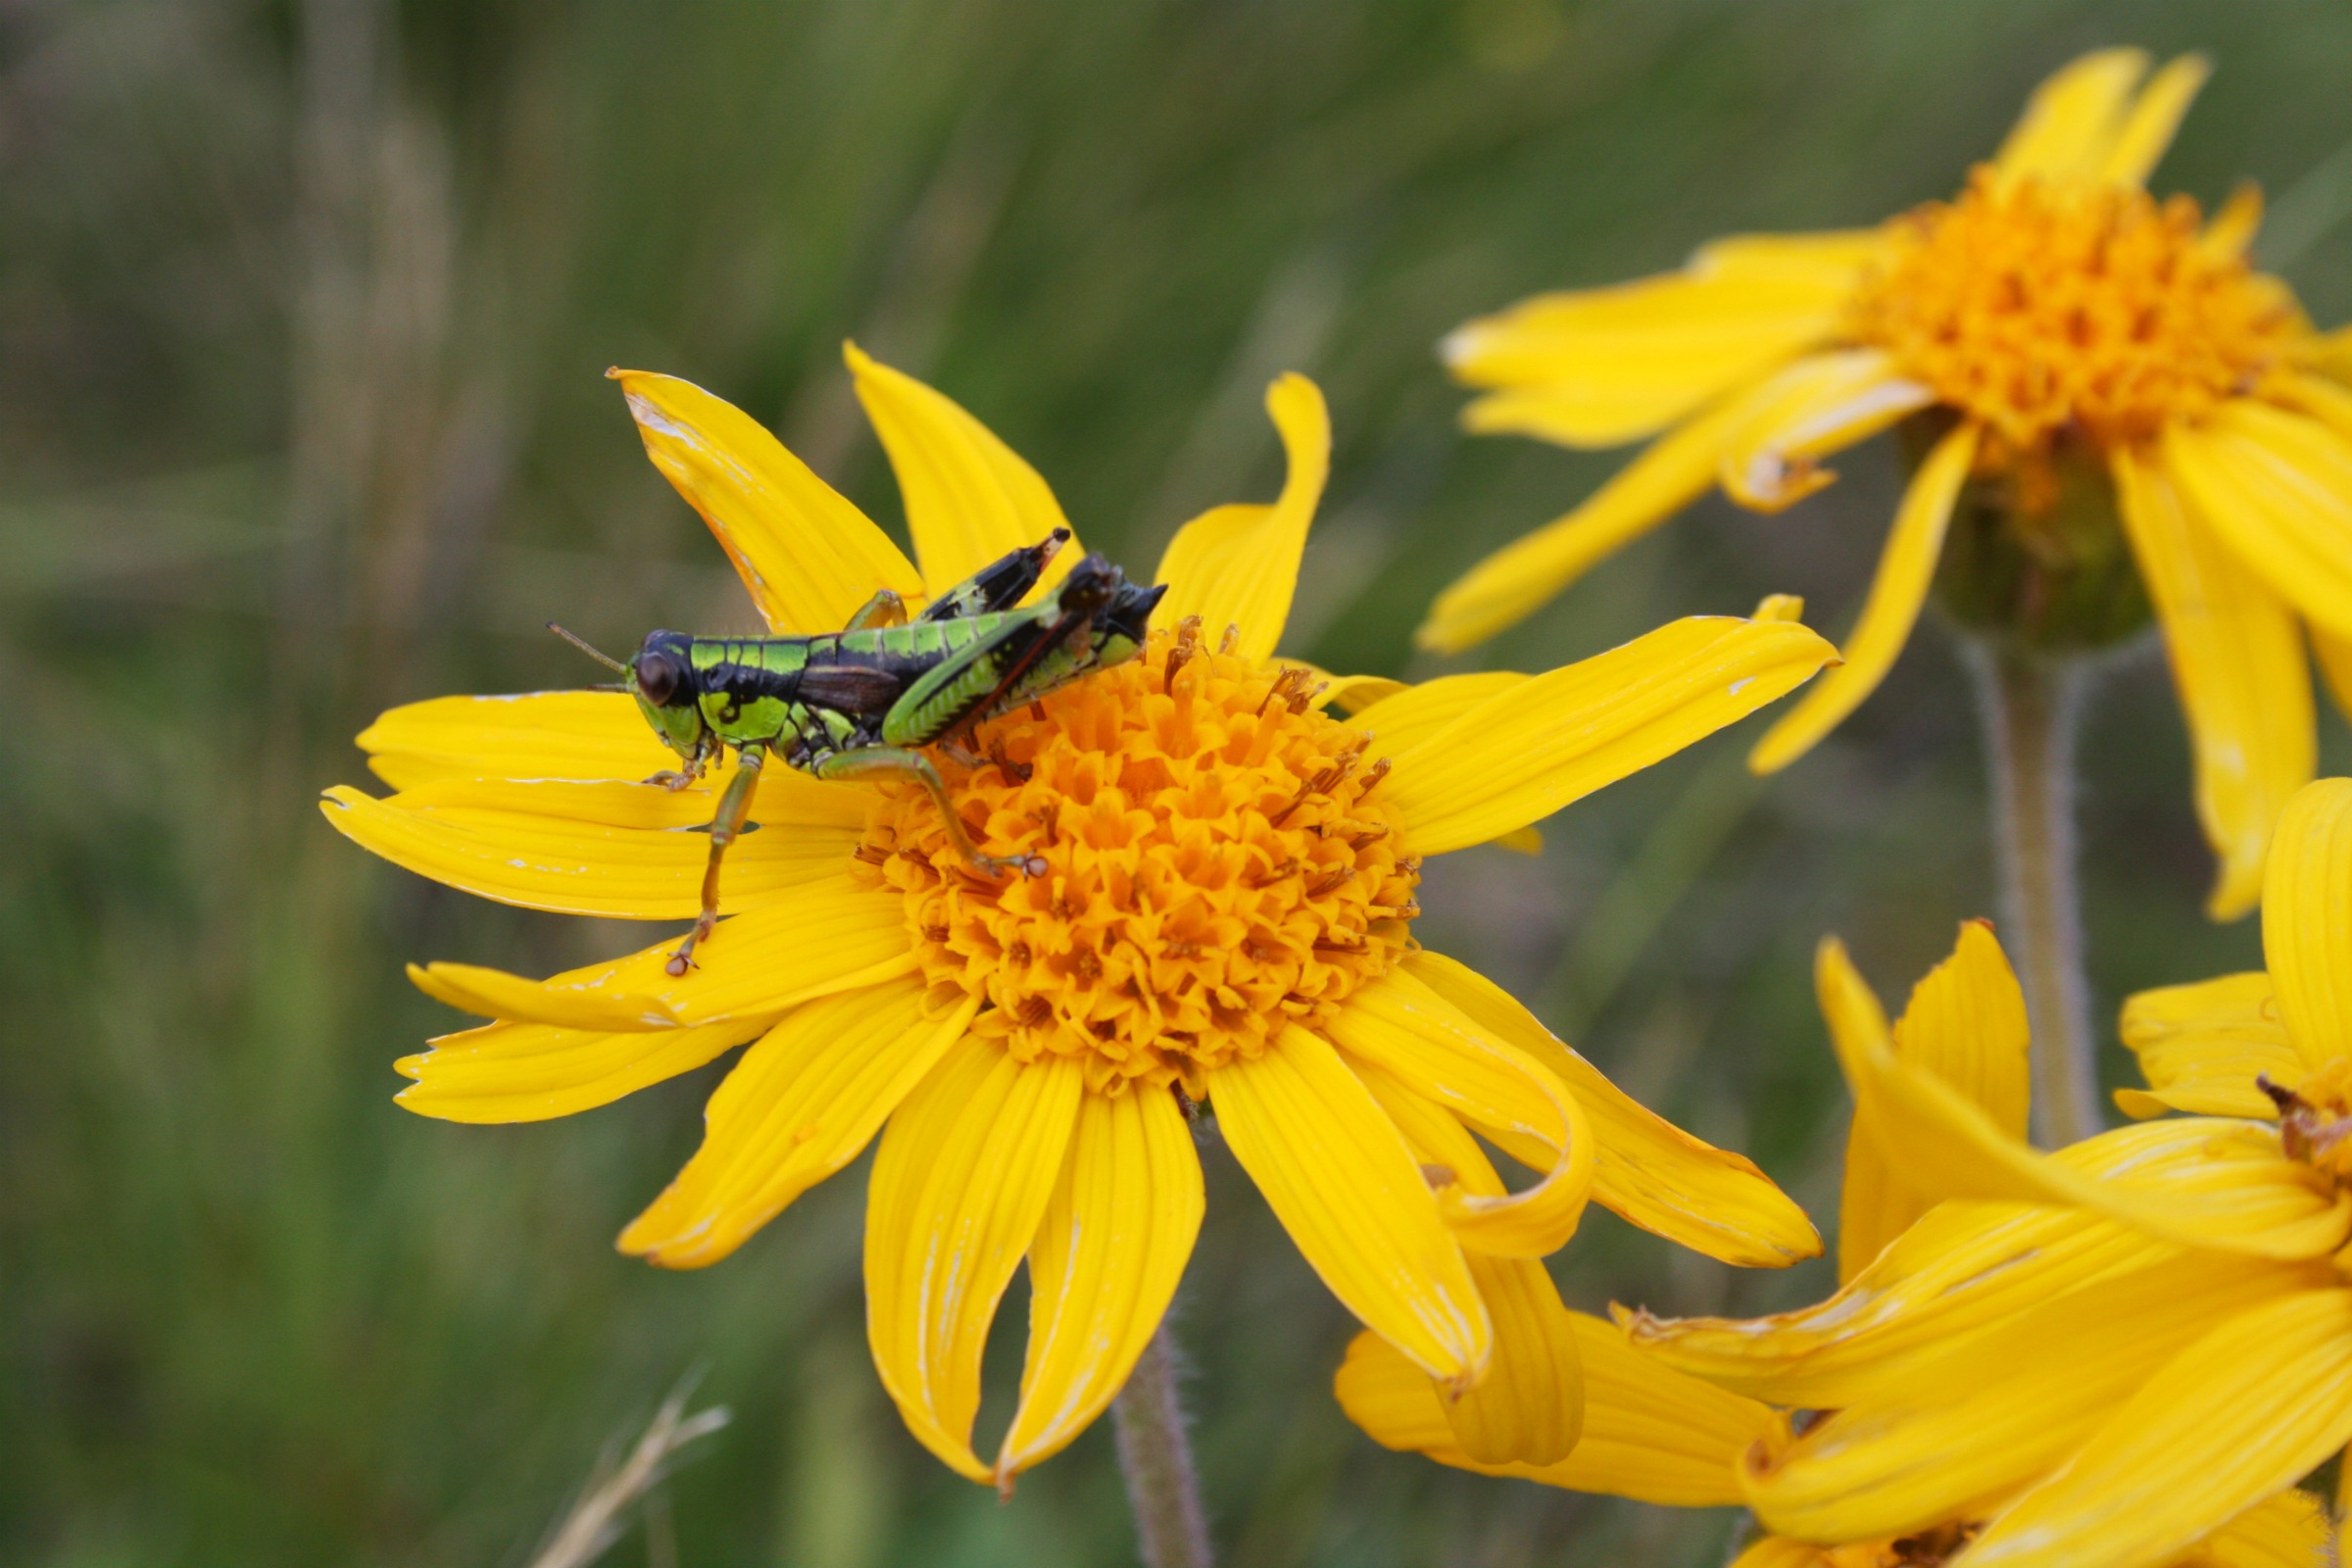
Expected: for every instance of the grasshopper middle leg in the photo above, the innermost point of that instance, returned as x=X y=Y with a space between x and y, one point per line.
x=868 y=761
x=733 y=807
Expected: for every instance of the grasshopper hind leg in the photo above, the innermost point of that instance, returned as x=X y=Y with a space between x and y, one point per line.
x=726 y=828
x=872 y=762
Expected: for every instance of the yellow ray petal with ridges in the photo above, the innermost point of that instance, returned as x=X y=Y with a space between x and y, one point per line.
x=831 y=935
x=970 y=499
x=1515 y=581
x=2071 y=122
x=1341 y=1180
x=1963 y=1270
x=808 y=556
x=784 y=798
x=507 y=1072
x=2226 y=1184
x=2307 y=920
x=1239 y=566
x=1650 y=1432
x=803 y=1101
x=1530 y=750
x=567 y=735
x=2201 y=1047
x=1530 y=1408
x=1836 y=258
x=967 y=1169
x=2286 y=1531
x=1401 y=1026
x=1906 y=567
x=1965 y=1023
x=2277 y=487
x=2244 y=1412
x=1402 y=719
x=1600 y=367
x=573 y=867
x=2237 y=661
x=2155 y=116
x=1105 y=1262
x=2001 y=1411
x=1645 y=1169
x=1816 y=408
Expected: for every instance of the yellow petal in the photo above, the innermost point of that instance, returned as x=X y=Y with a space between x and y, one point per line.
x=2238 y=664
x=808 y=556
x=537 y=735
x=1529 y=1406
x=2073 y=120
x=2286 y=1531
x=801 y=1105
x=1239 y=566
x=2149 y=125
x=1404 y=718
x=1532 y=749
x=575 y=867
x=784 y=799
x=1779 y=1551
x=1106 y=1260
x=2004 y=1409
x=2277 y=487
x=2335 y=655
x=1600 y=367
x=1341 y=1179
x=970 y=499
x=829 y=935
x=1834 y=258
x=506 y=1072
x=2205 y=1183
x=2202 y=1046
x=1897 y=590
x=1646 y=1170
x=2255 y=1405
x=1966 y=1023
x=2307 y=920
x=1401 y=1026
x=967 y=1169
x=1522 y=576
x=1349 y=694
x=1963 y=1270
x=1821 y=405
x=1650 y=1432
x=2332 y=353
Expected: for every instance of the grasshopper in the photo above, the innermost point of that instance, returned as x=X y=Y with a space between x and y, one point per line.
x=863 y=702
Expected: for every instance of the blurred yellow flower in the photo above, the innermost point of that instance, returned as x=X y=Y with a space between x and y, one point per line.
x=1659 y=1434
x=2052 y=324
x=1225 y=918
x=2128 y=1341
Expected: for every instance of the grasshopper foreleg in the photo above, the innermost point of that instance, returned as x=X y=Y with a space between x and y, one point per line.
x=733 y=807
x=867 y=762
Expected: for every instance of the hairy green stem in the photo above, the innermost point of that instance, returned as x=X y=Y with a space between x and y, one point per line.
x=2032 y=707
x=1170 y=1526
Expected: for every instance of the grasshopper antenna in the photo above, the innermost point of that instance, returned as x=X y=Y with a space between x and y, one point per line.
x=606 y=659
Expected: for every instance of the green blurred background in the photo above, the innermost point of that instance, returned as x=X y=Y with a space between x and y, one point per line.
x=303 y=310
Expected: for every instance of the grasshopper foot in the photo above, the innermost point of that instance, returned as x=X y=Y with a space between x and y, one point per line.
x=995 y=866
x=671 y=779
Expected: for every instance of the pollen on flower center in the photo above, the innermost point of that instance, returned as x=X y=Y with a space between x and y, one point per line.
x=2034 y=308
x=2315 y=1118
x=1218 y=865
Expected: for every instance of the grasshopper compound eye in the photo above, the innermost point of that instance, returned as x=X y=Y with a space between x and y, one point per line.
x=656 y=677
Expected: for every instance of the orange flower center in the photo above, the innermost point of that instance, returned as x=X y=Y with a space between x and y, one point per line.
x=2315 y=1118
x=2037 y=308
x=1218 y=865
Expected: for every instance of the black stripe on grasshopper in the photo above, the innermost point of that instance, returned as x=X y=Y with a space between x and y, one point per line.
x=863 y=702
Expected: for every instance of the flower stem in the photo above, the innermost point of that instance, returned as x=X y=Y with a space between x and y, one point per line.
x=2033 y=707
x=1170 y=1526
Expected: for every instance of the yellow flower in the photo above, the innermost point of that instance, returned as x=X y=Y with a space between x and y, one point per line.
x=2127 y=1342
x=1659 y=1434
x=1226 y=911
x=2053 y=321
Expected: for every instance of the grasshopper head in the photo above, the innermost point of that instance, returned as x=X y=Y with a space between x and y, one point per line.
x=662 y=678
x=1121 y=610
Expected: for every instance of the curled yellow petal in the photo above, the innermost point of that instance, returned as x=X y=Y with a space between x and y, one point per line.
x=965 y=1172
x=1239 y=566
x=2277 y=487
x=1106 y=1259
x=2201 y=1047
x=1900 y=586
x=808 y=556
x=1645 y=1169
x=1814 y=408
x=2238 y=664
x=801 y=1104
x=507 y=1072
x=1341 y=1180
x=970 y=499
x=2307 y=920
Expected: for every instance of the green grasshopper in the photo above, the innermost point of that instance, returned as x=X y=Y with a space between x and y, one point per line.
x=860 y=703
